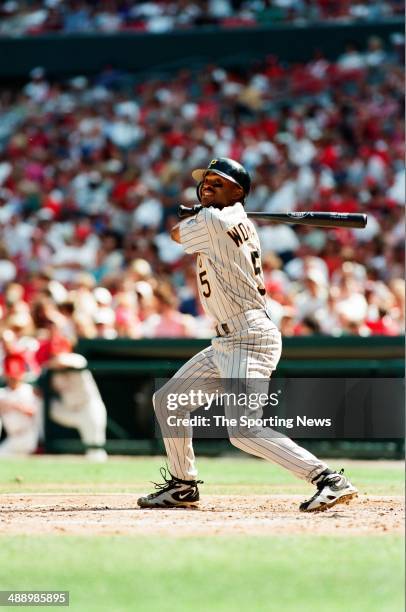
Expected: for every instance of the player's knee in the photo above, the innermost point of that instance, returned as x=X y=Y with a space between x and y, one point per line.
x=159 y=403
x=236 y=441
x=238 y=436
x=155 y=401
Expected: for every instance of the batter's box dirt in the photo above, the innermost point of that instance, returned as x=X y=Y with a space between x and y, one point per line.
x=217 y=515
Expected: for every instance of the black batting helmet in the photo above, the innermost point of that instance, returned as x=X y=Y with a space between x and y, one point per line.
x=227 y=168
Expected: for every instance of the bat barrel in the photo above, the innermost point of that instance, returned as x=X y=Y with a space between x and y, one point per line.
x=319 y=219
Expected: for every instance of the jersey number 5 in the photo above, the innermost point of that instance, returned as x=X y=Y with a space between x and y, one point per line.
x=256 y=262
x=205 y=283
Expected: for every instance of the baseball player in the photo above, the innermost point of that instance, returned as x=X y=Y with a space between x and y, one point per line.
x=247 y=345
x=79 y=404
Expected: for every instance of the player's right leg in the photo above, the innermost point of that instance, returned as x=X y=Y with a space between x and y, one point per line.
x=247 y=361
x=332 y=488
x=179 y=487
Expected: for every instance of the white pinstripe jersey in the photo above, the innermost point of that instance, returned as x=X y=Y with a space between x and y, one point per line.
x=229 y=271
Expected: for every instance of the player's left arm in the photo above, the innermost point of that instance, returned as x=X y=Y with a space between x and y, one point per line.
x=175 y=233
x=193 y=233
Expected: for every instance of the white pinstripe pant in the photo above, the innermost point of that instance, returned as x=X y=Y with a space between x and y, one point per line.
x=250 y=353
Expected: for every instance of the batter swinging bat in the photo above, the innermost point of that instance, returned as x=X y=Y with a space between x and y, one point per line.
x=319 y=219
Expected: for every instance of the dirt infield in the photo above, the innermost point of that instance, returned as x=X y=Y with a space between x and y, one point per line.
x=217 y=515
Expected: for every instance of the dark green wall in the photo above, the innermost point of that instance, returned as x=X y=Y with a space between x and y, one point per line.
x=88 y=53
x=125 y=370
x=301 y=356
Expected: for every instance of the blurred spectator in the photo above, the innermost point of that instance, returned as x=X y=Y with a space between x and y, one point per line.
x=167 y=321
x=110 y=16
x=20 y=409
x=37 y=89
x=313 y=295
x=7 y=268
x=351 y=60
x=126 y=313
x=104 y=321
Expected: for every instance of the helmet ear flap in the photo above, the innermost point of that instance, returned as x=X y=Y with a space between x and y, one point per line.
x=198 y=191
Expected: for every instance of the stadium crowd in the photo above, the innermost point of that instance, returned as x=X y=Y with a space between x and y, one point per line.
x=92 y=172
x=25 y=17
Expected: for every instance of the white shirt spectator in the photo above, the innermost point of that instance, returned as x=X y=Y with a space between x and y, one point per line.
x=163 y=23
x=220 y=8
x=301 y=152
x=7 y=211
x=37 y=91
x=284 y=198
x=351 y=60
x=277 y=238
x=353 y=308
x=328 y=320
x=369 y=232
x=306 y=182
x=87 y=125
x=127 y=108
x=20 y=413
x=124 y=134
x=17 y=237
x=8 y=272
x=375 y=58
x=82 y=257
x=259 y=195
x=91 y=192
x=307 y=303
x=295 y=268
x=107 y=22
x=5 y=171
x=254 y=154
x=376 y=168
x=148 y=214
x=397 y=190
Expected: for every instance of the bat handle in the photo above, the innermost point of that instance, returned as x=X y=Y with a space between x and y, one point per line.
x=186 y=211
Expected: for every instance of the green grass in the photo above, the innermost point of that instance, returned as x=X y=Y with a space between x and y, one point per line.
x=300 y=573
x=297 y=574
x=225 y=475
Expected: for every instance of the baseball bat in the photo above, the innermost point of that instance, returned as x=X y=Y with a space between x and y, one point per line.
x=318 y=219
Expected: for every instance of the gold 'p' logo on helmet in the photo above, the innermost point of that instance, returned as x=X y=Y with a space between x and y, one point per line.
x=213 y=162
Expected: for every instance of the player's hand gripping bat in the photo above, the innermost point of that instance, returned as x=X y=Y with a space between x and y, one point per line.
x=319 y=219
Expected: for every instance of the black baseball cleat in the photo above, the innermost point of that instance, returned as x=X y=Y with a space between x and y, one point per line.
x=332 y=488
x=172 y=493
